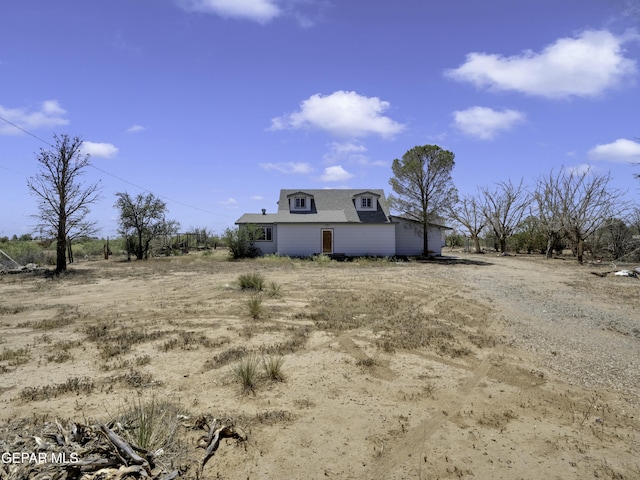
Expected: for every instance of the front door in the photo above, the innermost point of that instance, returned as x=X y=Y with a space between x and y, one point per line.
x=327 y=241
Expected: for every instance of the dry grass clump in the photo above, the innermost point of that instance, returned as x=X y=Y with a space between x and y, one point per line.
x=367 y=362
x=113 y=343
x=67 y=315
x=73 y=385
x=251 y=281
x=12 y=309
x=15 y=357
x=274 y=290
x=273 y=417
x=151 y=424
x=59 y=357
x=273 y=368
x=254 y=304
x=497 y=420
x=403 y=323
x=122 y=363
x=246 y=372
x=188 y=340
x=226 y=357
x=135 y=378
x=297 y=341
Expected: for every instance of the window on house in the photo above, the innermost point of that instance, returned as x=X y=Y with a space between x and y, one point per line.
x=301 y=202
x=366 y=202
x=265 y=234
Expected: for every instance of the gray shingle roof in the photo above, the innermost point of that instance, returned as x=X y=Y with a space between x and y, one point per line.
x=327 y=206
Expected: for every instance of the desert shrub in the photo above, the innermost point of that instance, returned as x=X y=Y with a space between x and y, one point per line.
x=273 y=368
x=150 y=425
x=321 y=259
x=241 y=242
x=274 y=290
x=246 y=373
x=255 y=306
x=251 y=281
x=23 y=252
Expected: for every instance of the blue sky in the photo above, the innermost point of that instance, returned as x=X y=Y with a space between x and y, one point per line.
x=215 y=105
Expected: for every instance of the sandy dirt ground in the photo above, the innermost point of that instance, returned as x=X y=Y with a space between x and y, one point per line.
x=473 y=367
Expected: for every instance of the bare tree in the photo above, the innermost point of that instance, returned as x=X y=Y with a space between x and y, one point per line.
x=548 y=201
x=504 y=207
x=63 y=201
x=468 y=213
x=423 y=186
x=577 y=203
x=587 y=201
x=616 y=237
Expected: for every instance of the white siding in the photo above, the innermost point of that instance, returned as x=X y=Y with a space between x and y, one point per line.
x=354 y=240
x=409 y=238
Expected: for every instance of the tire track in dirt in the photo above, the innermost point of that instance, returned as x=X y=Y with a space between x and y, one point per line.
x=408 y=454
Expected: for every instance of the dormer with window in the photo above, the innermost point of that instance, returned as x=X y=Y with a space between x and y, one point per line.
x=366 y=202
x=300 y=202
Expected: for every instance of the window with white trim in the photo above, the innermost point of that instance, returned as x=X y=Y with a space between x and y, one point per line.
x=366 y=202
x=265 y=234
x=300 y=202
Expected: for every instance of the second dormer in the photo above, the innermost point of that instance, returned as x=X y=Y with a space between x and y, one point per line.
x=366 y=201
x=300 y=202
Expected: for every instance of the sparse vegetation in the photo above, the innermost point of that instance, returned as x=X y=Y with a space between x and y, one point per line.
x=273 y=368
x=73 y=385
x=400 y=344
x=246 y=373
x=251 y=281
x=226 y=357
x=255 y=306
x=150 y=424
x=16 y=356
x=274 y=290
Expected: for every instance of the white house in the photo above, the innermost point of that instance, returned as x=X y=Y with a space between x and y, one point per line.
x=339 y=222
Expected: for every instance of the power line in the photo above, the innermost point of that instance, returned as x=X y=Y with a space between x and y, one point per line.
x=116 y=176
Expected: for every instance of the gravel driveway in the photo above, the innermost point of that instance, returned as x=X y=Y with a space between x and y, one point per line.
x=581 y=325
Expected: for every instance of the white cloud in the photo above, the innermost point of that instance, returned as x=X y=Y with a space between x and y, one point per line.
x=343 y=114
x=351 y=153
x=335 y=174
x=229 y=204
x=103 y=150
x=583 y=66
x=341 y=151
x=485 y=123
x=50 y=114
x=135 y=128
x=288 y=167
x=622 y=150
x=261 y=11
x=257 y=197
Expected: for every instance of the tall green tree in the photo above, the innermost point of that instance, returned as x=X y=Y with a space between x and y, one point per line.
x=63 y=200
x=141 y=219
x=423 y=186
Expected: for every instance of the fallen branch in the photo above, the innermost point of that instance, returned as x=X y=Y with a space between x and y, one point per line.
x=125 y=449
x=214 y=437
